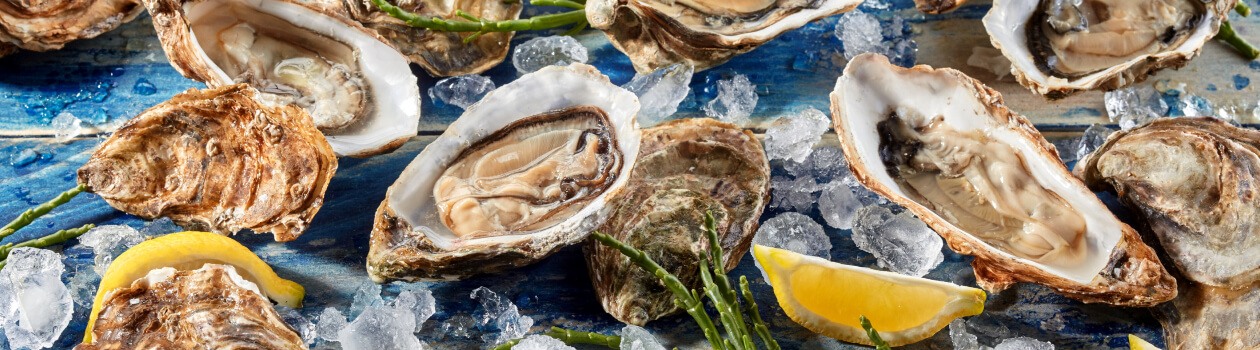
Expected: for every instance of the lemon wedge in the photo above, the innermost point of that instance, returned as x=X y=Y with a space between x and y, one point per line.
x=1136 y=343
x=828 y=298
x=190 y=250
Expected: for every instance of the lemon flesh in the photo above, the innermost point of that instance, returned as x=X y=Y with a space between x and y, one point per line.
x=190 y=250
x=828 y=298
x=1136 y=343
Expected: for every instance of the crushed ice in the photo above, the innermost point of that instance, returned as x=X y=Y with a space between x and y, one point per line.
x=661 y=91
x=536 y=53
x=461 y=91
x=35 y=305
x=900 y=242
x=735 y=101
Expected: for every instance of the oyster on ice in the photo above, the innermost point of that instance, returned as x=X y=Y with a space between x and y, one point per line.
x=442 y=54
x=212 y=307
x=216 y=160
x=521 y=174
x=357 y=88
x=1058 y=47
x=705 y=33
x=46 y=25
x=944 y=146
x=937 y=6
x=685 y=168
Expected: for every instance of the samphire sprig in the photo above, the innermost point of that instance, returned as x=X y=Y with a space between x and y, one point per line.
x=30 y=215
x=575 y=18
x=572 y=337
x=1229 y=36
x=873 y=334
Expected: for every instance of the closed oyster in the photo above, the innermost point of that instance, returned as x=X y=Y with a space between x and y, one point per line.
x=209 y=308
x=686 y=168
x=358 y=89
x=521 y=174
x=944 y=146
x=216 y=160
x=442 y=53
x=46 y=25
x=705 y=33
x=1058 y=47
x=1205 y=317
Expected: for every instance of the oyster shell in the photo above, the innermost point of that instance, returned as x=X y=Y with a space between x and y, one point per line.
x=442 y=53
x=45 y=25
x=1205 y=317
x=937 y=6
x=686 y=168
x=1059 y=47
x=358 y=89
x=216 y=160
x=944 y=146
x=212 y=307
x=519 y=175
x=705 y=33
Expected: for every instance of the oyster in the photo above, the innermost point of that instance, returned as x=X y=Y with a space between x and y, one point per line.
x=1058 y=47
x=1205 y=317
x=358 y=89
x=48 y=25
x=937 y=6
x=216 y=160
x=212 y=307
x=944 y=146
x=442 y=53
x=523 y=173
x=705 y=33
x=686 y=168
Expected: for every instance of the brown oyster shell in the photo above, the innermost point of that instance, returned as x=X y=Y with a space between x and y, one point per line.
x=207 y=308
x=1204 y=317
x=442 y=54
x=218 y=160
x=686 y=168
x=937 y=6
x=45 y=25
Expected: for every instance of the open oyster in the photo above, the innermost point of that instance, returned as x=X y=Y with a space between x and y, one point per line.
x=1058 y=47
x=45 y=25
x=705 y=33
x=944 y=146
x=442 y=53
x=686 y=168
x=358 y=89
x=209 y=308
x=216 y=160
x=521 y=174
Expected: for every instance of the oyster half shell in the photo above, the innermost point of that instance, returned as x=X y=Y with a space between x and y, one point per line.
x=359 y=90
x=944 y=146
x=521 y=174
x=1059 y=47
x=685 y=168
x=216 y=160
x=209 y=308
x=46 y=25
x=705 y=33
x=442 y=54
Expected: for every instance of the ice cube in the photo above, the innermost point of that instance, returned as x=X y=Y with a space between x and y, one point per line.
x=735 y=101
x=536 y=53
x=1023 y=343
x=1091 y=139
x=368 y=294
x=961 y=338
x=795 y=232
x=1135 y=105
x=458 y=326
x=66 y=126
x=107 y=242
x=661 y=91
x=329 y=322
x=35 y=306
x=824 y=164
x=380 y=327
x=500 y=314
x=636 y=338
x=793 y=194
x=900 y=242
x=542 y=342
x=418 y=301
x=293 y=318
x=838 y=205
x=860 y=33
x=793 y=137
x=991 y=60
x=461 y=91
x=1195 y=106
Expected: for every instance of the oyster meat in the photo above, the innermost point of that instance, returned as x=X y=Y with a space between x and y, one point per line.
x=944 y=146
x=357 y=88
x=442 y=54
x=216 y=160
x=685 y=168
x=523 y=173
x=209 y=308
x=1058 y=47
x=45 y=25
x=705 y=33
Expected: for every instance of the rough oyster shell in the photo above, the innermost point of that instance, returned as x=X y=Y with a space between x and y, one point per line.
x=216 y=159
x=411 y=239
x=45 y=25
x=358 y=89
x=1073 y=245
x=212 y=307
x=937 y=6
x=1010 y=27
x=705 y=33
x=1204 y=317
x=442 y=53
x=686 y=168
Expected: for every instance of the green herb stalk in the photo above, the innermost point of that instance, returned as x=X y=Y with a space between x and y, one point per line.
x=873 y=334
x=479 y=26
x=1229 y=36
x=56 y=238
x=30 y=215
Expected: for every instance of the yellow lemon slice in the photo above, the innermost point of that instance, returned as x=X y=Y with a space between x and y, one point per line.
x=828 y=298
x=190 y=250
x=1136 y=343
